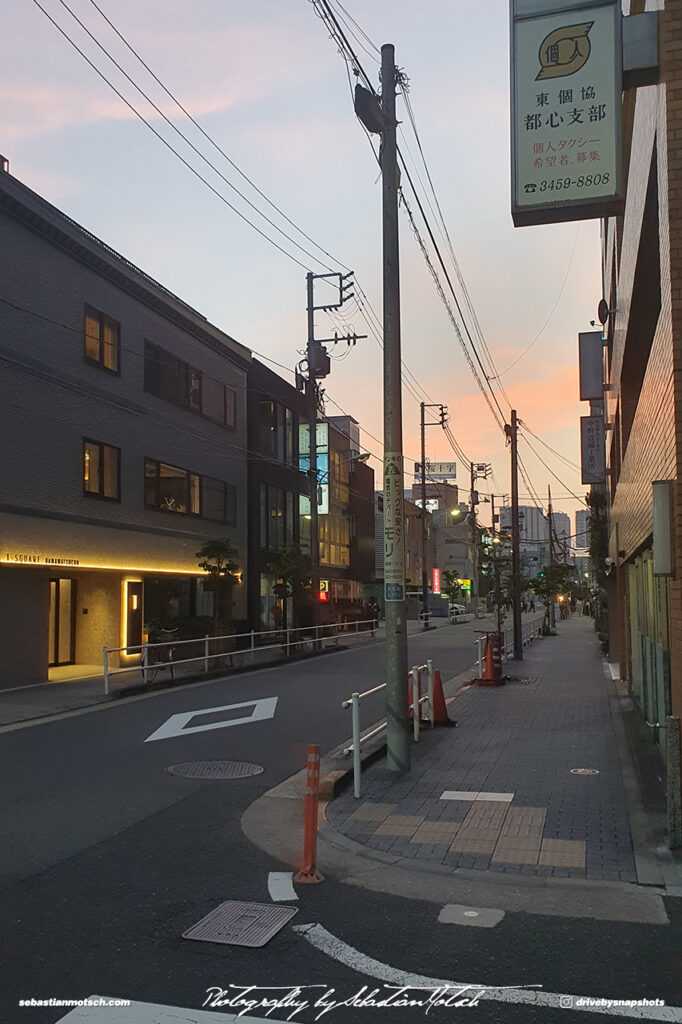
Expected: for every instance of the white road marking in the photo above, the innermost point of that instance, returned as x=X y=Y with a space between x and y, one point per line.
x=335 y=948
x=154 y=1013
x=281 y=886
x=176 y=725
x=457 y=794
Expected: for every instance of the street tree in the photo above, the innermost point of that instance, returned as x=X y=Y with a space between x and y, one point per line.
x=291 y=569
x=222 y=575
x=552 y=580
x=495 y=561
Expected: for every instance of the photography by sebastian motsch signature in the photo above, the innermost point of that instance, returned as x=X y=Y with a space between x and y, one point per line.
x=324 y=999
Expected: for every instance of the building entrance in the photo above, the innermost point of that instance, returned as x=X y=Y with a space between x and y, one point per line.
x=62 y=622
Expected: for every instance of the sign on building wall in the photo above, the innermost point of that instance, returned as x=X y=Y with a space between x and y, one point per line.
x=442 y=470
x=592 y=450
x=591 y=362
x=436 y=581
x=394 y=528
x=566 y=85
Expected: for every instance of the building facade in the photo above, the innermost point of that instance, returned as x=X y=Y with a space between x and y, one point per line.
x=123 y=421
x=642 y=285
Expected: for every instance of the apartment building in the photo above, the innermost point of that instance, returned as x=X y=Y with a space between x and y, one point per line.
x=124 y=448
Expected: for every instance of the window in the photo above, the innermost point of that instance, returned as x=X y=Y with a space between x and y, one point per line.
x=277 y=517
x=101 y=470
x=173 y=489
x=101 y=339
x=176 y=381
x=276 y=431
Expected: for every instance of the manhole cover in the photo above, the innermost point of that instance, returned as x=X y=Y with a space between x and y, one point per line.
x=584 y=771
x=241 y=924
x=215 y=769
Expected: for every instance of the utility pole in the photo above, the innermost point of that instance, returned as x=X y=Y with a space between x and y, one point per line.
x=552 y=610
x=440 y=422
x=492 y=512
x=311 y=395
x=395 y=647
x=516 y=559
x=318 y=366
x=474 y=545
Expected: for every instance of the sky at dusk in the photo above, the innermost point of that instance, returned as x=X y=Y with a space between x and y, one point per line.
x=266 y=83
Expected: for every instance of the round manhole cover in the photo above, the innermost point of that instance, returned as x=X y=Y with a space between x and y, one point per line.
x=584 y=771
x=215 y=769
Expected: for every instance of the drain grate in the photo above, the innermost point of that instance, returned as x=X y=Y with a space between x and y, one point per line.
x=584 y=771
x=215 y=769
x=241 y=924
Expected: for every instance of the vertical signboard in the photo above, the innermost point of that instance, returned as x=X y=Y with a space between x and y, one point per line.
x=436 y=581
x=566 y=71
x=394 y=528
x=592 y=450
x=591 y=361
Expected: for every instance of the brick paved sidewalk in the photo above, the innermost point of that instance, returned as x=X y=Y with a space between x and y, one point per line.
x=498 y=793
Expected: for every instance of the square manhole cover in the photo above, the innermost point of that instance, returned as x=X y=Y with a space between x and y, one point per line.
x=241 y=924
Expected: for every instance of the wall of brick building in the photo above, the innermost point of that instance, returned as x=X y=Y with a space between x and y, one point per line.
x=653 y=449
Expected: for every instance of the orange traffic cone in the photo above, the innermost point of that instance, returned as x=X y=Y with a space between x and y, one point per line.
x=492 y=666
x=440 y=709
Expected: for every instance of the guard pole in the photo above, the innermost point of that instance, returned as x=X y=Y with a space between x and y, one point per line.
x=309 y=872
x=395 y=642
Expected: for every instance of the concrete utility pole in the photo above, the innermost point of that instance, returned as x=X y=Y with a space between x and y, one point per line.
x=552 y=609
x=319 y=365
x=311 y=395
x=474 y=545
x=397 y=723
x=434 y=423
x=516 y=559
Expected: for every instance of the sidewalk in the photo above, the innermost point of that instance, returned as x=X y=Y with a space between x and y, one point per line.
x=500 y=793
x=40 y=700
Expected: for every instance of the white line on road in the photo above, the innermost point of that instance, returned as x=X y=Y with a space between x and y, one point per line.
x=177 y=725
x=335 y=948
x=281 y=886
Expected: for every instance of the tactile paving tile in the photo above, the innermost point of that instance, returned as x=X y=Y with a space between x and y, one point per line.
x=372 y=812
x=241 y=924
x=524 y=822
x=562 y=853
x=434 y=832
x=399 y=825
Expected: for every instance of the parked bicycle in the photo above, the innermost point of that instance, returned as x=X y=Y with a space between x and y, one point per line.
x=160 y=653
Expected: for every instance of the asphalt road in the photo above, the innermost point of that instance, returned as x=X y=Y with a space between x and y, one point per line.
x=108 y=859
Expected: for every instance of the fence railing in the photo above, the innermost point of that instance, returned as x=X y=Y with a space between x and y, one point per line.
x=358 y=738
x=230 y=651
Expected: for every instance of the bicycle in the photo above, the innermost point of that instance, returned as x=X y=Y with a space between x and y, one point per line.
x=160 y=654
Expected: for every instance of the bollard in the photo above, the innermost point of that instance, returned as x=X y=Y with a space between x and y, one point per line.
x=105 y=659
x=429 y=671
x=145 y=661
x=416 y=708
x=309 y=872
x=206 y=653
x=253 y=643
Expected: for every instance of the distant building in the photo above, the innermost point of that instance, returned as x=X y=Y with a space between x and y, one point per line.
x=582 y=528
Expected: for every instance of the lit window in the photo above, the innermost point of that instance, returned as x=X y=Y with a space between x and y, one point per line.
x=101 y=470
x=101 y=340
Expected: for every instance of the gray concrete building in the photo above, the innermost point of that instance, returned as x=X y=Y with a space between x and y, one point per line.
x=124 y=448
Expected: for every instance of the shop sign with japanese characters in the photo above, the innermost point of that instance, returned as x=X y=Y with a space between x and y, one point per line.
x=394 y=528
x=592 y=447
x=566 y=73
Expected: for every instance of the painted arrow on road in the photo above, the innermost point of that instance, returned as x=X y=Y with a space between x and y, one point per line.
x=178 y=725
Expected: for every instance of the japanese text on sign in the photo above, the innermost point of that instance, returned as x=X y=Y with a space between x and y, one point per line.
x=565 y=125
x=394 y=528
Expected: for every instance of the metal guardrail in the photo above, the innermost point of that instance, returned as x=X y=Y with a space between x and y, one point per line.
x=290 y=641
x=358 y=738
